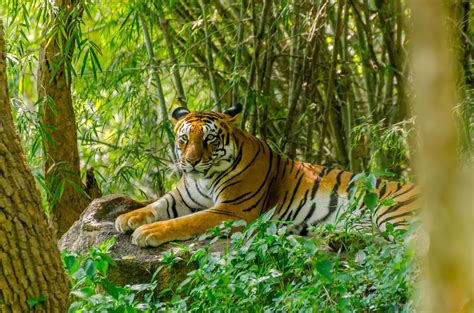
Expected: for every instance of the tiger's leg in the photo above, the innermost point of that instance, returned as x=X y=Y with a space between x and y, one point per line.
x=167 y=207
x=181 y=228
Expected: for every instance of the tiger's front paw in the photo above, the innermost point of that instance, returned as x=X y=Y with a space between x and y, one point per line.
x=133 y=220
x=151 y=235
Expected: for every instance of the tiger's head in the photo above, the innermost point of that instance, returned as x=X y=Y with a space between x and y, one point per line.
x=204 y=143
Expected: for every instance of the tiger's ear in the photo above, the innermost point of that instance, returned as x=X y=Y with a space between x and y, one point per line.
x=178 y=113
x=234 y=111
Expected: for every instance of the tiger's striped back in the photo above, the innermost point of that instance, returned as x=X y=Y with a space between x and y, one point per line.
x=319 y=194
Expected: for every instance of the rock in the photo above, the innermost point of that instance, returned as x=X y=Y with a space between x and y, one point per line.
x=134 y=265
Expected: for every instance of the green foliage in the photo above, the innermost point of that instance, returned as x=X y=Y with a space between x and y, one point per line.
x=266 y=269
x=91 y=291
x=120 y=130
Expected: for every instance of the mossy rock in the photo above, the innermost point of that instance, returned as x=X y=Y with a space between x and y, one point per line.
x=134 y=265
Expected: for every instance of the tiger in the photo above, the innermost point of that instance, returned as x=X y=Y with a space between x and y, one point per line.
x=229 y=174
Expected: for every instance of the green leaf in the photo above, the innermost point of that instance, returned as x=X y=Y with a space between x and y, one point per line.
x=371 y=182
x=89 y=268
x=324 y=268
x=371 y=200
x=71 y=262
x=389 y=227
x=34 y=301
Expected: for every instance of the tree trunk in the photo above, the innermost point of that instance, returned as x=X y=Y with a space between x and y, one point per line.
x=447 y=184
x=61 y=160
x=30 y=266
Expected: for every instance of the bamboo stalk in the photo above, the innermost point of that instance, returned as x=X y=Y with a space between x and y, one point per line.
x=265 y=84
x=295 y=83
x=238 y=53
x=210 y=63
x=348 y=104
x=258 y=32
x=364 y=37
x=159 y=88
x=260 y=68
x=311 y=94
x=328 y=115
x=461 y=11
x=396 y=58
x=163 y=23
x=229 y=13
x=187 y=16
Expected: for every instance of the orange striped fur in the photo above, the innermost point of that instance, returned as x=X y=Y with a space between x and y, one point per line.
x=229 y=174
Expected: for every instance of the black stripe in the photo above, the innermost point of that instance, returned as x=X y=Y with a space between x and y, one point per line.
x=396 y=207
x=351 y=183
x=225 y=187
x=173 y=206
x=201 y=192
x=263 y=197
x=283 y=202
x=227 y=139
x=278 y=163
x=404 y=192
x=399 y=186
x=334 y=197
x=265 y=180
x=236 y=140
x=324 y=171
x=225 y=173
x=184 y=202
x=222 y=212
x=310 y=214
x=394 y=217
x=398 y=224
x=167 y=207
x=186 y=187
x=377 y=184
x=300 y=168
x=300 y=206
x=285 y=167
x=240 y=198
x=267 y=198
x=292 y=165
x=295 y=190
x=383 y=190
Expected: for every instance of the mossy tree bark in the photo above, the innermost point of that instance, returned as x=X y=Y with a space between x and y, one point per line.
x=30 y=266
x=61 y=160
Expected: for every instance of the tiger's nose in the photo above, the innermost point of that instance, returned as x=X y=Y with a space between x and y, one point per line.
x=193 y=162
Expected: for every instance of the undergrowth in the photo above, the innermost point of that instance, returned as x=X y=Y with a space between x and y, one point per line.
x=264 y=269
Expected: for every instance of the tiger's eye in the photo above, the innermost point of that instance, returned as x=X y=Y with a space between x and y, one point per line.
x=210 y=138
x=183 y=138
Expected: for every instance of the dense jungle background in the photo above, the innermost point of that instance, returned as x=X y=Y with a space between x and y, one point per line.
x=91 y=85
x=325 y=82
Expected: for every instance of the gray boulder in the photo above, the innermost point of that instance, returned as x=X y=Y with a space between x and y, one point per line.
x=134 y=265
